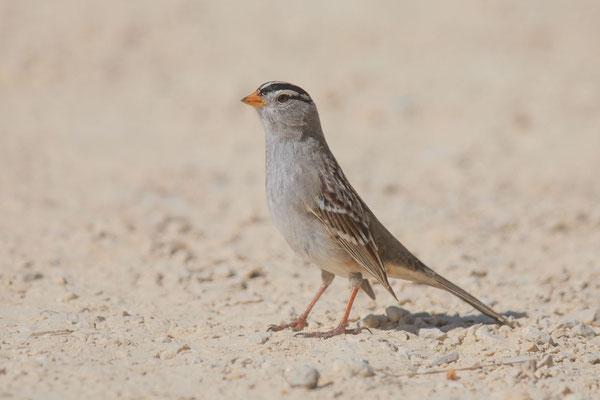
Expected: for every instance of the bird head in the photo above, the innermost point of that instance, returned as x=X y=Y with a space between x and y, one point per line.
x=283 y=107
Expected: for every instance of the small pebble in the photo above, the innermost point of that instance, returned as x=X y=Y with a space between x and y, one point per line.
x=370 y=321
x=223 y=272
x=171 y=350
x=528 y=366
x=566 y=390
x=168 y=352
x=434 y=320
x=32 y=276
x=458 y=333
x=488 y=301
x=259 y=338
x=395 y=314
x=448 y=358
x=587 y=316
x=305 y=376
x=543 y=372
x=537 y=336
x=517 y=360
x=530 y=347
x=68 y=297
x=592 y=358
x=402 y=335
x=584 y=330
x=382 y=320
x=487 y=334
x=472 y=330
x=545 y=362
x=352 y=367
x=432 y=333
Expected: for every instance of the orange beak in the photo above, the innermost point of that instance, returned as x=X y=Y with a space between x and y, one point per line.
x=254 y=100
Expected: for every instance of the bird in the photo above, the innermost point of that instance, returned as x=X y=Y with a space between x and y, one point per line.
x=320 y=214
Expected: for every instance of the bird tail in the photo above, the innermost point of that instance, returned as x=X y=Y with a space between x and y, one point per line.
x=424 y=274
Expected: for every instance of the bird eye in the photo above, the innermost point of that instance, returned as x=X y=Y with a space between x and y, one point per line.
x=282 y=98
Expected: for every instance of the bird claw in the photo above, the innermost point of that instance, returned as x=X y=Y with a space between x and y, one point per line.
x=296 y=326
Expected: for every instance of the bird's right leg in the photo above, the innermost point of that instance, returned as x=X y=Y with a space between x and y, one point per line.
x=299 y=323
x=356 y=281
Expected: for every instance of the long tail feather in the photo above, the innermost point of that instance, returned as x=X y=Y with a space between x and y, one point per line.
x=439 y=281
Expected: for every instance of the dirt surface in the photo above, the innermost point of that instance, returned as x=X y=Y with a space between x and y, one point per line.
x=137 y=258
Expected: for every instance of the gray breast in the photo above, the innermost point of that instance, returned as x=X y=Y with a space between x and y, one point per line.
x=292 y=186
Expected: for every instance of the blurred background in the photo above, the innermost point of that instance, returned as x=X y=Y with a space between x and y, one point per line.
x=439 y=109
x=129 y=166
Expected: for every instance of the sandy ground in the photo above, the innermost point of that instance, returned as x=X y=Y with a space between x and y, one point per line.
x=137 y=258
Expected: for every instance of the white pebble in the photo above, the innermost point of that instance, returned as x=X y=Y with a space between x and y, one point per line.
x=588 y=316
x=448 y=358
x=352 y=367
x=592 y=358
x=547 y=361
x=432 y=333
x=305 y=376
x=537 y=336
x=259 y=338
x=487 y=334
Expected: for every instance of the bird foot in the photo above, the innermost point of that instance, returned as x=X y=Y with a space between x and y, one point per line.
x=296 y=325
x=340 y=330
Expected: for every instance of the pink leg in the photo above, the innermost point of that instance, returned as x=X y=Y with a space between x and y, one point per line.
x=341 y=329
x=300 y=323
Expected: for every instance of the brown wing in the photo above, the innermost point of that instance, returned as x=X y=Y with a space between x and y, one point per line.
x=343 y=212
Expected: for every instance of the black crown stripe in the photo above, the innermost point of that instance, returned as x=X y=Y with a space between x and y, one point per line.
x=273 y=86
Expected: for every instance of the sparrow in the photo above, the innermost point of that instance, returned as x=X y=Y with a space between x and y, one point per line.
x=322 y=217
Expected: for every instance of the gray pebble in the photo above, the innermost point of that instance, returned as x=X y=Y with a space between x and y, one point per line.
x=434 y=320
x=382 y=319
x=370 y=321
x=584 y=330
x=395 y=314
x=305 y=376
x=361 y=368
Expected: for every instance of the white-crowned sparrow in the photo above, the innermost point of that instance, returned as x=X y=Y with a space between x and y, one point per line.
x=319 y=213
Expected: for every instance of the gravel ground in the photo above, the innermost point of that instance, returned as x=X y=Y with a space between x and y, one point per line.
x=137 y=259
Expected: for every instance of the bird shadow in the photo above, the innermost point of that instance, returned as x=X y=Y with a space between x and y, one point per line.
x=412 y=322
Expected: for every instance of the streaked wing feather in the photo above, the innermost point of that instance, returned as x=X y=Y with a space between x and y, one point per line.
x=342 y=211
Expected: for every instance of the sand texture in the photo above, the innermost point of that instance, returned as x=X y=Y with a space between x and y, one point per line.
x=137 y=257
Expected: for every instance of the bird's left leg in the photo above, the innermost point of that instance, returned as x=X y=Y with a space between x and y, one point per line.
x=356 y=281
x=299 y=323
